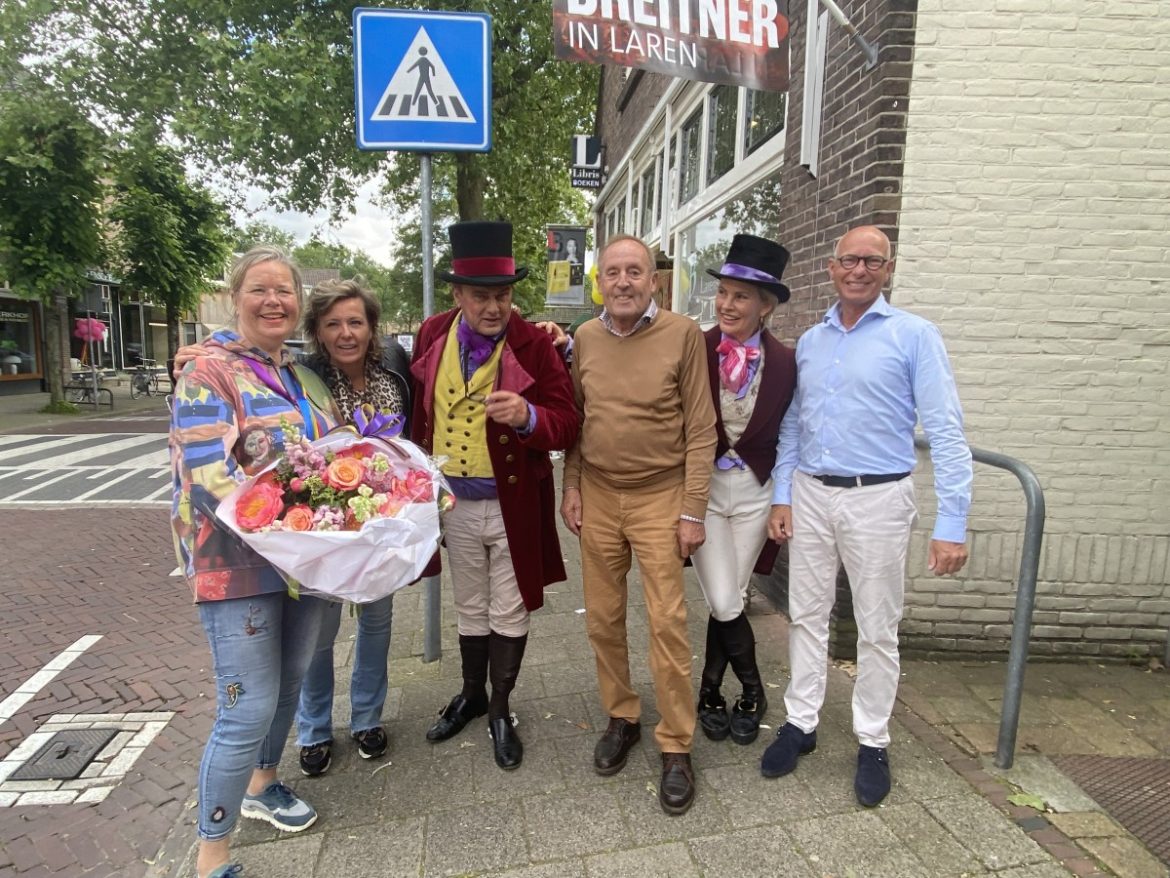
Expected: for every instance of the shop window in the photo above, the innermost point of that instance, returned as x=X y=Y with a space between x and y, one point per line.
x=690 y=147
x=620 y=218
x=648 y=198
x=17 y=338
x=722 y=104
x=765 y=118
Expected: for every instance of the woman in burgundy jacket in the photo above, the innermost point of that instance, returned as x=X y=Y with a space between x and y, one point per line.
x=753 y=377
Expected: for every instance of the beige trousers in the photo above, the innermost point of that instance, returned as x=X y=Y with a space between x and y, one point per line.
x=614 y=524
x=483 y=580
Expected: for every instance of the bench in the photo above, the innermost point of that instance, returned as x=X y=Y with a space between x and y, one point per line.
x=82 y=392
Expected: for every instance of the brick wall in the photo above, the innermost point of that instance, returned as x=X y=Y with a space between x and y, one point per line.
x=1034 y=230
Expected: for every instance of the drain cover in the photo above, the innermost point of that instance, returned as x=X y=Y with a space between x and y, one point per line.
x=1135 y=791
x=65 y=755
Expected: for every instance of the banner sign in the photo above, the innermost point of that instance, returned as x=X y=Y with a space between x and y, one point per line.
x=586 y=162
x=734 y=42
x=566 y=266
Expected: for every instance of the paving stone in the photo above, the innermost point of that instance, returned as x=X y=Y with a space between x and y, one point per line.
x=986 y=832
x=760 y=852
x=559 y=869
x=604 y=830
x=640 y=806
x=282 y=855
x=1125 y=856
x=751 y=800
x=856 y=843
x=661 y=861
x=928 y=840
x=1086 y=824
x=475 y=839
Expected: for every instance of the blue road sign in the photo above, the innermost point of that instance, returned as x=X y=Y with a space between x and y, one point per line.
x=423 y=80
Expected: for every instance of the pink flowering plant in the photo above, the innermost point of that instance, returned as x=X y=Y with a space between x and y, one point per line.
x=348 y=516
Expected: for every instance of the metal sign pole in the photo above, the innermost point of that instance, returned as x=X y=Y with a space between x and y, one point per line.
x=432 y=650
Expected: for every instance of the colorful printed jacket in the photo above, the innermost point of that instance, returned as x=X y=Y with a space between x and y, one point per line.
x=225 y=427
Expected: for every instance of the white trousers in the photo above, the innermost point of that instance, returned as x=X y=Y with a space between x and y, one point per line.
x=737 y=526
x=868 y=530
x=483 y=580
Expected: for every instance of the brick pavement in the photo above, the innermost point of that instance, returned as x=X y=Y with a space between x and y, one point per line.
x=69 y=573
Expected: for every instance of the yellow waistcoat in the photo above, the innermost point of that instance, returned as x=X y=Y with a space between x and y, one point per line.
x=460 y=422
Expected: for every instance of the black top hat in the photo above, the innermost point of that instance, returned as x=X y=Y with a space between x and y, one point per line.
x=755 y=261
x=481 y=254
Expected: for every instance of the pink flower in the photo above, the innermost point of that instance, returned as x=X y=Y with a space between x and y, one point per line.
x=299 y=518
x=259 y=506
x=345 y=473
x=417 y=486
x=296 y=485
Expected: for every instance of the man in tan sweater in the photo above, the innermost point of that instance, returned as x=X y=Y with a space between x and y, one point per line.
x=637 y=481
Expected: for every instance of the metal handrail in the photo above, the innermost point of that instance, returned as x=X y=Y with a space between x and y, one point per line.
x=1013 y=688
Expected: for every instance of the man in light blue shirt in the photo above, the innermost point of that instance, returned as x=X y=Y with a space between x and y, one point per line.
x=843 y=494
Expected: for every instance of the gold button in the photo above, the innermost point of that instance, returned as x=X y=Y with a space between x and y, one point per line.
x=510 y=458
x=512 y=480
x=503 y=440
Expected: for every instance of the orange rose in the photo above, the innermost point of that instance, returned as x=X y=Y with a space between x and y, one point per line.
x=345 y=473
x=299 y=517
x=259 y=506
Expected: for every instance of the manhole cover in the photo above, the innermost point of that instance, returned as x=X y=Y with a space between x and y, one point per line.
x=65 y=755
x=1135 y=792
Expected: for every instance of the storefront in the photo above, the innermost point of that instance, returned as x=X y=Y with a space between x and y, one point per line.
x=703 y=166
x=21 y=347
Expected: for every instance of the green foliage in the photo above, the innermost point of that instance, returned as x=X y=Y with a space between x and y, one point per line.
x=170 y=240
x=50 y=188
x=259 y=232
x=262 y=91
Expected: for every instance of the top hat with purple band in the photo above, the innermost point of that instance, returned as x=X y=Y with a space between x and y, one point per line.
x=481 y=254
x=756 y=261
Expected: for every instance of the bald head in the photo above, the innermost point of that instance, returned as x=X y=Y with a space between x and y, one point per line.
x=859 y=268
x=872 y=236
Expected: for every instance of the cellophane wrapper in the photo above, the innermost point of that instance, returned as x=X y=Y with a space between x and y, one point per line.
x=360 y=566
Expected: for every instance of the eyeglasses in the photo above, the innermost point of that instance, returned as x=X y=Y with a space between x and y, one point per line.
x=849 y=261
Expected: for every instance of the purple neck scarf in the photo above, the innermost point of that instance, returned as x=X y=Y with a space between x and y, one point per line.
x=476 y=347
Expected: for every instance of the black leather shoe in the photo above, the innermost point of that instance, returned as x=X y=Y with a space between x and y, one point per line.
x=509 y=750
x=746 y=716
x=782 y=754
x=872 y=782
x=454 y=717
x=611 y=752
x=676 y=792
x=712 y=711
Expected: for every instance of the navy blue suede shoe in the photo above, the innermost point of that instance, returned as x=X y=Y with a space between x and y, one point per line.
x=782 y=754
x=872 y=783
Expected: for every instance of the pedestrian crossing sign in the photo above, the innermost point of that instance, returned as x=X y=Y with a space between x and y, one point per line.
x=422 y=80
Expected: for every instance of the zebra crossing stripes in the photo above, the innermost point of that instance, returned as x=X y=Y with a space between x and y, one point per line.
x=96 y=468
x=422 y=107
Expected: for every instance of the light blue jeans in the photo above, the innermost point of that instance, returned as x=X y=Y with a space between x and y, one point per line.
x=367 y=687
x=258 y=669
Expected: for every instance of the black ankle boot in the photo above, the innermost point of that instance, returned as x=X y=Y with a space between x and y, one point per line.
x=712 y=708
x=740 y=643
x=472 y=701
x=504 y=657
x=713 y=719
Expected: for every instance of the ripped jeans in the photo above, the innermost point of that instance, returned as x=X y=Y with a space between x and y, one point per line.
x=260 y=648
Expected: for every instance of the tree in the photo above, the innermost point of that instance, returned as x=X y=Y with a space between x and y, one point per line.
x=260 y=232
x=263 y=90
x=170 y=232
x=51 y=192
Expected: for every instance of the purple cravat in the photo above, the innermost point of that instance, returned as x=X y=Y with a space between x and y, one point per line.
x=478 y=347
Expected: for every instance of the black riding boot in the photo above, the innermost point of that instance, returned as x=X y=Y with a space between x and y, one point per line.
x=472 y=701
x=712 y=708
x=740 y=643
x=504 y=657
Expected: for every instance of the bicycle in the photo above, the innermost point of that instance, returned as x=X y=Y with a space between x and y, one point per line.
x=144 y=380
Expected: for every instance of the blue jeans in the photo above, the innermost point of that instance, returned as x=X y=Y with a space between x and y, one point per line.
x=367 y=689
x=258 y=670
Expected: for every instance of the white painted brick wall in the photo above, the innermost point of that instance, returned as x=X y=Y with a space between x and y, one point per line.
x=1035 y=231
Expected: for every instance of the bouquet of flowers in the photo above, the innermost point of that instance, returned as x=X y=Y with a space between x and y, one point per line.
x=353 y=515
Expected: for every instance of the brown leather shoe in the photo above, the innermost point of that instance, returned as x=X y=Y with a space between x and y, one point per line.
x=676 y=792
x=609 y=756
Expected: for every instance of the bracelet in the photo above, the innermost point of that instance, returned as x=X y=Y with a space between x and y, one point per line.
x=691 y=518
